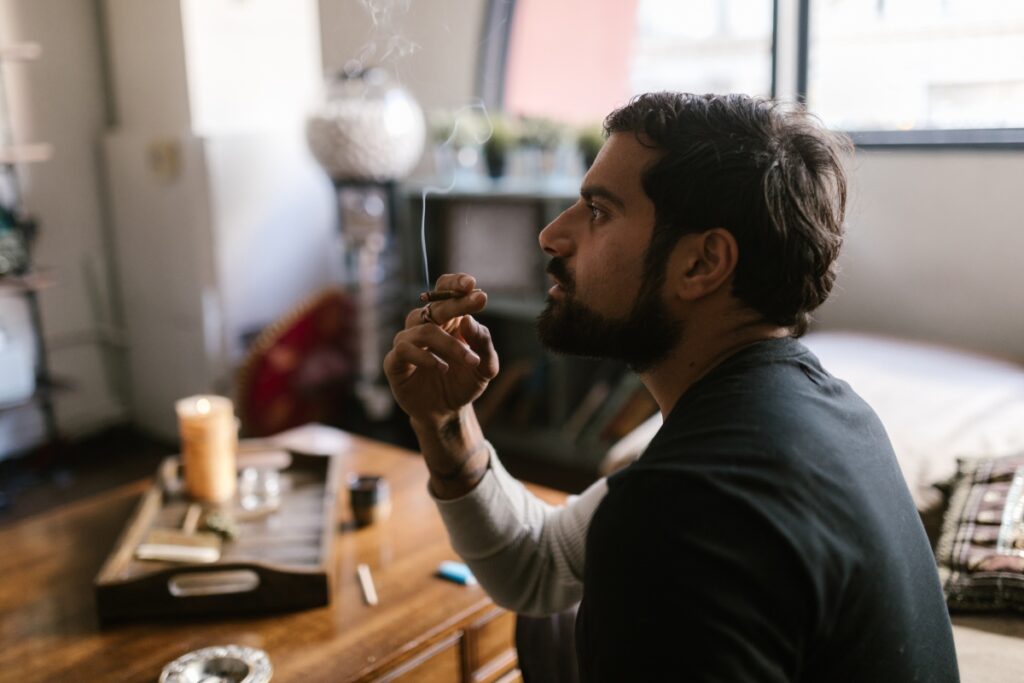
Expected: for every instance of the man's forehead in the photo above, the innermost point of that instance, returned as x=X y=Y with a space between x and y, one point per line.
x=619 y=168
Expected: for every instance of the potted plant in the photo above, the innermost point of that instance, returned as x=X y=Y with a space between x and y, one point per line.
x=544 y=136
x=497 y=147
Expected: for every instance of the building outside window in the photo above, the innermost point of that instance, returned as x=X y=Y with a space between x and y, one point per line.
x=917 y=64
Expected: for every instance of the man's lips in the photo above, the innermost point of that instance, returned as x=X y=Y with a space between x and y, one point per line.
x=560 y=276
x=557 y=288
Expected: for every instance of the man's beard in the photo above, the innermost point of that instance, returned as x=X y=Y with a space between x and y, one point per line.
x=642 y=339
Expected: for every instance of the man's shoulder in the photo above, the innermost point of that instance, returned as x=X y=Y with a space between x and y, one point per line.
x=775 y=415
x=810 y=506
x=698 y=499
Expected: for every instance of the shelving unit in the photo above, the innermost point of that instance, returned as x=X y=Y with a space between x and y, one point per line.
x=30 y=284
x=554 y=411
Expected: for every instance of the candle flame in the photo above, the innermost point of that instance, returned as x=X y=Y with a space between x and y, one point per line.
x=203 y=406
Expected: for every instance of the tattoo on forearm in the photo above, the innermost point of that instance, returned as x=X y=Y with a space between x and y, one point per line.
x=452 y=430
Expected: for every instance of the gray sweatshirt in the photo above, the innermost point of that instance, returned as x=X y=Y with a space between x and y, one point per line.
x=527 y=554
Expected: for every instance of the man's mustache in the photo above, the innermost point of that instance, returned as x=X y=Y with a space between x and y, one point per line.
x=557 y=267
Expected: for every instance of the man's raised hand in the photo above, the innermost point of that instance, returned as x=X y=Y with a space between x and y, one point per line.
x=443 y=359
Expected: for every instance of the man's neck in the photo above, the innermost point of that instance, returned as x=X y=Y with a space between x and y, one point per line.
x=696 y=356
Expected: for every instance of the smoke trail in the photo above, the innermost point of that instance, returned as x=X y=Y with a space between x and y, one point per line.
x=393 y=46
x=460 y=116
x=385 y=36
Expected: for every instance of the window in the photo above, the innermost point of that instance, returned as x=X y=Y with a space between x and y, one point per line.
x=913 y=65
x=632 y=46
x=917 y=72
x=709 y=46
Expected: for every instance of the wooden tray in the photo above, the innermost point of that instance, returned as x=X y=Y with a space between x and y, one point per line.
x=278 y=562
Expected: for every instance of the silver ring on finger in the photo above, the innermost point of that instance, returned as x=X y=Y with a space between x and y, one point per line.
x=425 y=315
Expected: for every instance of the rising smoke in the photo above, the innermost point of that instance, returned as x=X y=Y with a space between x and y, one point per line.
x=386 y=43
x=480 y=136
x=387 y=46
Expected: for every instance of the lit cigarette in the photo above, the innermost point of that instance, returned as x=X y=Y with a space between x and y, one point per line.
x=443 y=294
x=366 y=583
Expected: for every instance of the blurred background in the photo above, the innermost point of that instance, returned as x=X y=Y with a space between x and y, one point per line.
x=228 y=196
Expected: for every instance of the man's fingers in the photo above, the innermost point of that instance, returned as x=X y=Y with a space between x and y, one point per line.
x=405 y=356
x=464 y=300
x=478 y=337
x=443 y=311
x=438 y=342
x=414 y=318
x=459 y=282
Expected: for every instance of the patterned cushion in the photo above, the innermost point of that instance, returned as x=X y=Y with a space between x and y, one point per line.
x=981 y=549
x=301 y=368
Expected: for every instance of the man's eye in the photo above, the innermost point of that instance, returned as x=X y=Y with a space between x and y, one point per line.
x=595 y=212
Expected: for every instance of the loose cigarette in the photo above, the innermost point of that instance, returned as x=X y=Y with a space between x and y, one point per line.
x=443 y=294
x=366 y=583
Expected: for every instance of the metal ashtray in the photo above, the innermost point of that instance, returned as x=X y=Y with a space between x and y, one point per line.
x=220 y=664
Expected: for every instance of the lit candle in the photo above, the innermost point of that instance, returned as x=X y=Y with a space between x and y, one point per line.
x=209 y=440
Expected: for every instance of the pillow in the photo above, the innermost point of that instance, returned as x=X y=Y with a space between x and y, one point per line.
x=981 y=549
x=300 y=369
x=938 y=404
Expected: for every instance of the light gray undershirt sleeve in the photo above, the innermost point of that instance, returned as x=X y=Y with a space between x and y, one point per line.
x=528 y=555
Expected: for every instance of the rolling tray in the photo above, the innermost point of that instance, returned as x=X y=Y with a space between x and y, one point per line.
x=278 y=561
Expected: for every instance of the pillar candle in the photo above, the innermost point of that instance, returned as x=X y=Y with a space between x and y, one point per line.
x=209 y=440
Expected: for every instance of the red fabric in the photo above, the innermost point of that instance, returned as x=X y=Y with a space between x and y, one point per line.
x=302 y=369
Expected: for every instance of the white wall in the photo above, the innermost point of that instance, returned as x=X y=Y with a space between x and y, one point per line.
x=934 y=249
x=238 y=231
x=251 y=65
x=441 y=72
x=60 y=99
x=146 y=57
x=164 y=245
x=276 y=223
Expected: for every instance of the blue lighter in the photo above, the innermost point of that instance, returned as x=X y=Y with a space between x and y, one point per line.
x=457 y=572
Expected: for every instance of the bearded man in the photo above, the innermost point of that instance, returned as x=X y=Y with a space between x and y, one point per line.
x=766 y=533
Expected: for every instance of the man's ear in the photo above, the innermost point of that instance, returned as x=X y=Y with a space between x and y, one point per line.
x=702 y=263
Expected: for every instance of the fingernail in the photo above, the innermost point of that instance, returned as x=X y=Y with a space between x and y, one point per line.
x=472 y=358
x=477 y=297
x=465 y=281
x=442 y=366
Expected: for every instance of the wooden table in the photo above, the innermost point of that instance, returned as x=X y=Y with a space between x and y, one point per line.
x=424 y=629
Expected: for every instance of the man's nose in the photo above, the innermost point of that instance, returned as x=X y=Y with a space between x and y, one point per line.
x=556 y=239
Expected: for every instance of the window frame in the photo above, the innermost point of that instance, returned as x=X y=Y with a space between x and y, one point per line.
x=497 y=26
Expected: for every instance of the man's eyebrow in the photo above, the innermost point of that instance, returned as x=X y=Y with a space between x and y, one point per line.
x=590 y=191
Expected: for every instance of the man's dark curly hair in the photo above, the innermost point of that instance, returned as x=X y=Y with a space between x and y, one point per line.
x=768 y=173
